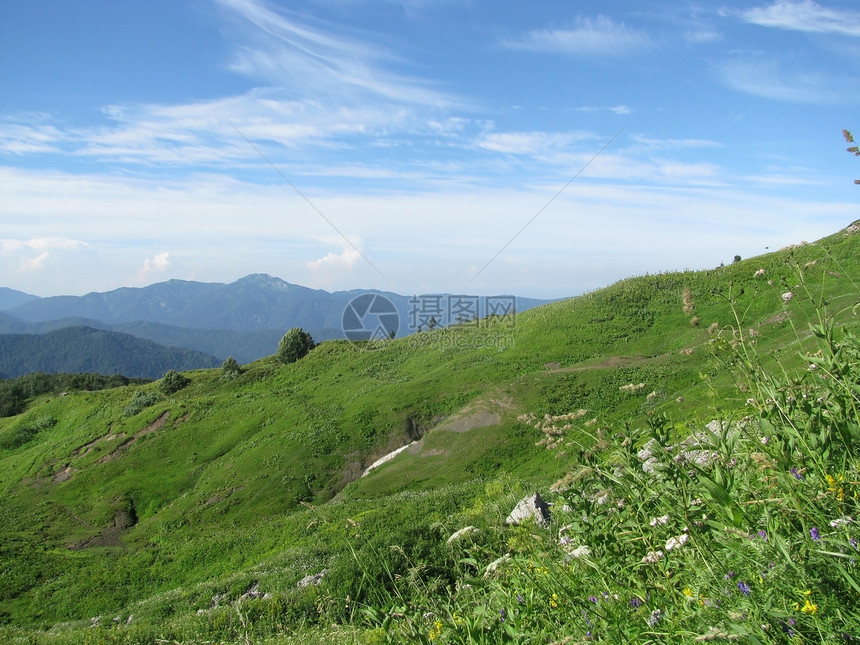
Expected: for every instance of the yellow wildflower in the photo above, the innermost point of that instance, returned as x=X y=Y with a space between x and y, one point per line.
x=834 y=486
x=436 y=630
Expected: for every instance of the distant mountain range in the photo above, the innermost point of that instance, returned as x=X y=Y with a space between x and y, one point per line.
x=244 y=319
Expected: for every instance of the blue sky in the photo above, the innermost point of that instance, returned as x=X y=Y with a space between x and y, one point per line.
x=418 y=146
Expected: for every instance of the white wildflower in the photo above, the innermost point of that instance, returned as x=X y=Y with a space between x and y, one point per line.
x=787 y=296
x=677 y=542
x=463 y=531
x=495 y=564
x=764 y=441
x=758 y=273
x=580 y=552
x=659 y=521
x=652 y=557
x=842 y=521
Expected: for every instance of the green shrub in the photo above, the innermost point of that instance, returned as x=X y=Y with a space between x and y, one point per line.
x=230 y=369
x=142 y=399
x=295 y=344
x=172 y=381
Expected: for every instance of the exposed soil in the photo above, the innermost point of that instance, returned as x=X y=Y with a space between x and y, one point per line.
x=152 y=427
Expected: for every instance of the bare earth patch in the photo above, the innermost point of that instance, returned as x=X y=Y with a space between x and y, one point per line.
x=152 y=427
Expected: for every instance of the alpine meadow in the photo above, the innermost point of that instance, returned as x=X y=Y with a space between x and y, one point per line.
x=693 y=439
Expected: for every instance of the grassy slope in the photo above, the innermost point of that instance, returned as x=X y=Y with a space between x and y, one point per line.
x=215 y=474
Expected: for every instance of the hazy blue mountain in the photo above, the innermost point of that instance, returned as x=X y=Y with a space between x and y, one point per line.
x=83 y=349
x=11 y=298
x=254 y=303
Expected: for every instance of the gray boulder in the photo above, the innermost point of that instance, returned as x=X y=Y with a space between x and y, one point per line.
x=533 y=507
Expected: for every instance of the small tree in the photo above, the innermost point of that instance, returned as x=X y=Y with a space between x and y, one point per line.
x=295 y=344
x=230 y=369
x=172 y=381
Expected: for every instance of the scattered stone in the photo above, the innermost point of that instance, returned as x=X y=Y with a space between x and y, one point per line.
x=313 y=579
x=532 y=507
x=253 y=593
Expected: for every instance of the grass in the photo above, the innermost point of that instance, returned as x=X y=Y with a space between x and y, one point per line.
x=167 y=507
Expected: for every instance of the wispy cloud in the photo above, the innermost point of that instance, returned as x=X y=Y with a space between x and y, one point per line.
x=770 y=78
x=529 y=143
x=289 y=53
x=621 y=110
x=598 y=37
x=702 y=36
x=805 y=15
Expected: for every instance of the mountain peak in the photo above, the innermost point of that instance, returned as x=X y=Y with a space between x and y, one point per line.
x=264 y=280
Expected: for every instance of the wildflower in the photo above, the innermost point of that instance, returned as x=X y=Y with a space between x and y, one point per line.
x=436 y=630
x=796 y=474
x=580 y=552
x=759 y=273
x=687 y=592
x=655 y=617
x=652 y=557
x=553 y=601
x=635 y=602
x=833 y=486
x=659 y=521
x=764 y=441
x=729 y=575
x=842 y=521
x=463 y=531
x=520 y=598
x=808 y=607
x=593 y=599
x=763 y=535
x=814 y=533
x=677 y=542
x=502 y=614
x=853 y=543
x=744 y=587
x=786 y=297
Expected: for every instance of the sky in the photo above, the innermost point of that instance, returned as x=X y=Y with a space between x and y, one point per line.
x=542 y=148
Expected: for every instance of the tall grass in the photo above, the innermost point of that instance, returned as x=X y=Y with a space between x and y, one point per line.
x=744 y=531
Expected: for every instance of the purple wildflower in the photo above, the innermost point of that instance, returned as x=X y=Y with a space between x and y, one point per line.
x=796 y=474
x=635 y=602
x=853 y=543
x=814 y=533
x=763 y=535
x=520 y=598
x=593 y=599
x=729 y=575
x=744 y=587
x=502 y=614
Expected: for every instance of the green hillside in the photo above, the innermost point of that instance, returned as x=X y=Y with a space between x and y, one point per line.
x=133 y=516
x=84 y=349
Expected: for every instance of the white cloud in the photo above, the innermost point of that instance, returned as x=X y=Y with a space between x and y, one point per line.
x=529 y=143
x=291 y=54
x=158 y=264
x=702 y=36
x=616 y=109
x=769 y=78
x=344 y=260
x=599 y=37
x=805 y=15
